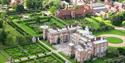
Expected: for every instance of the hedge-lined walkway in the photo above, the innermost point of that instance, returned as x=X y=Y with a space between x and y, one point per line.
x=54 y=51
x=117 y=36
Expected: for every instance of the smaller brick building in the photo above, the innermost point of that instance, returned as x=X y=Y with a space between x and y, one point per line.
x=74 y=12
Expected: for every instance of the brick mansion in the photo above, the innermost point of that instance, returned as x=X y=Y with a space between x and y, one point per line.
x=82 y=44
x=80 y=8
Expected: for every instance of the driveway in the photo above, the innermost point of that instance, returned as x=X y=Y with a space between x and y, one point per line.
x=117 y=36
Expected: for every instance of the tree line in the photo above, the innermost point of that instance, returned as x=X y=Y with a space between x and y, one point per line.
x=33 y=5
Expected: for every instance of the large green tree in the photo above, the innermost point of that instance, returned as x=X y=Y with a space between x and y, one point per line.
x=117 y=18
x=5 y=2
x=33 y=4
x=1 y=23
x=19 y=8
x=3 y=36
x=123 y=23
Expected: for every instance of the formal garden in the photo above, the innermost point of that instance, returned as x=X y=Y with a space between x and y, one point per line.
x=51 y=58
x=17 y=27
x=31 y=53
x=25 y=50
x=32 y=24
x=98 y=25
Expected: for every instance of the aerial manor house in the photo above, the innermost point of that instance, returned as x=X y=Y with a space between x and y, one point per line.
x=80 y=8
x=82 y=44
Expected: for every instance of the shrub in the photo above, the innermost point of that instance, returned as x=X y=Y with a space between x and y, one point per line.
x=121 y=51
x=19 y=8
x=123 y=23
x=1 y=24
x=117 y=18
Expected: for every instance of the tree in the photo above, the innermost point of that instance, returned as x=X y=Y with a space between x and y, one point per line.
x=5 y=2
x=21 y=40
x=10 y=40
x=1 y=24
x=117 y=18
x=19 y=8
x=47 y=4
x=121 y=51
x=0 y=2
x=27 y=4
x=53 y=9
x=3 y=36
x=33 y=4
x=123 y=23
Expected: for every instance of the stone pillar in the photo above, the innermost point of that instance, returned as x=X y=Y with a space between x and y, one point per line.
x=45 y=31
x=34 y=39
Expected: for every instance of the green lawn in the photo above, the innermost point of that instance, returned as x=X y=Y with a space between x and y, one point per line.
x=3 y=56
x=114 y=40
x=26 y=28
x=98 y=60
x=2 y=59
x=116 y=32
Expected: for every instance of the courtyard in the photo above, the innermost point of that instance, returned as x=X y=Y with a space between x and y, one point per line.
x=63 y=47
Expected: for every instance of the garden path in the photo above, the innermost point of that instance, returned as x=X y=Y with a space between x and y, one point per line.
x=55 y=51
x=119 y=28
x=117 y=36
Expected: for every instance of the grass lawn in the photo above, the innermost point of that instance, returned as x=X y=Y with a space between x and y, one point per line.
x=98 y=60
x=26 y=29
x=3 y=56
x=116 y=32
x=2 y=59
x=114 y=40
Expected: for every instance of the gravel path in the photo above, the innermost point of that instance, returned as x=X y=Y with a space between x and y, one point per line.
x=119 y=28
x=117 y=36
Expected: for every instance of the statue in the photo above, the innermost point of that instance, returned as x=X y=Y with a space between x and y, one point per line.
x=87 y=28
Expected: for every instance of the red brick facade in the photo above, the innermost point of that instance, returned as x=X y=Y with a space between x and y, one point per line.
x=74 y=13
